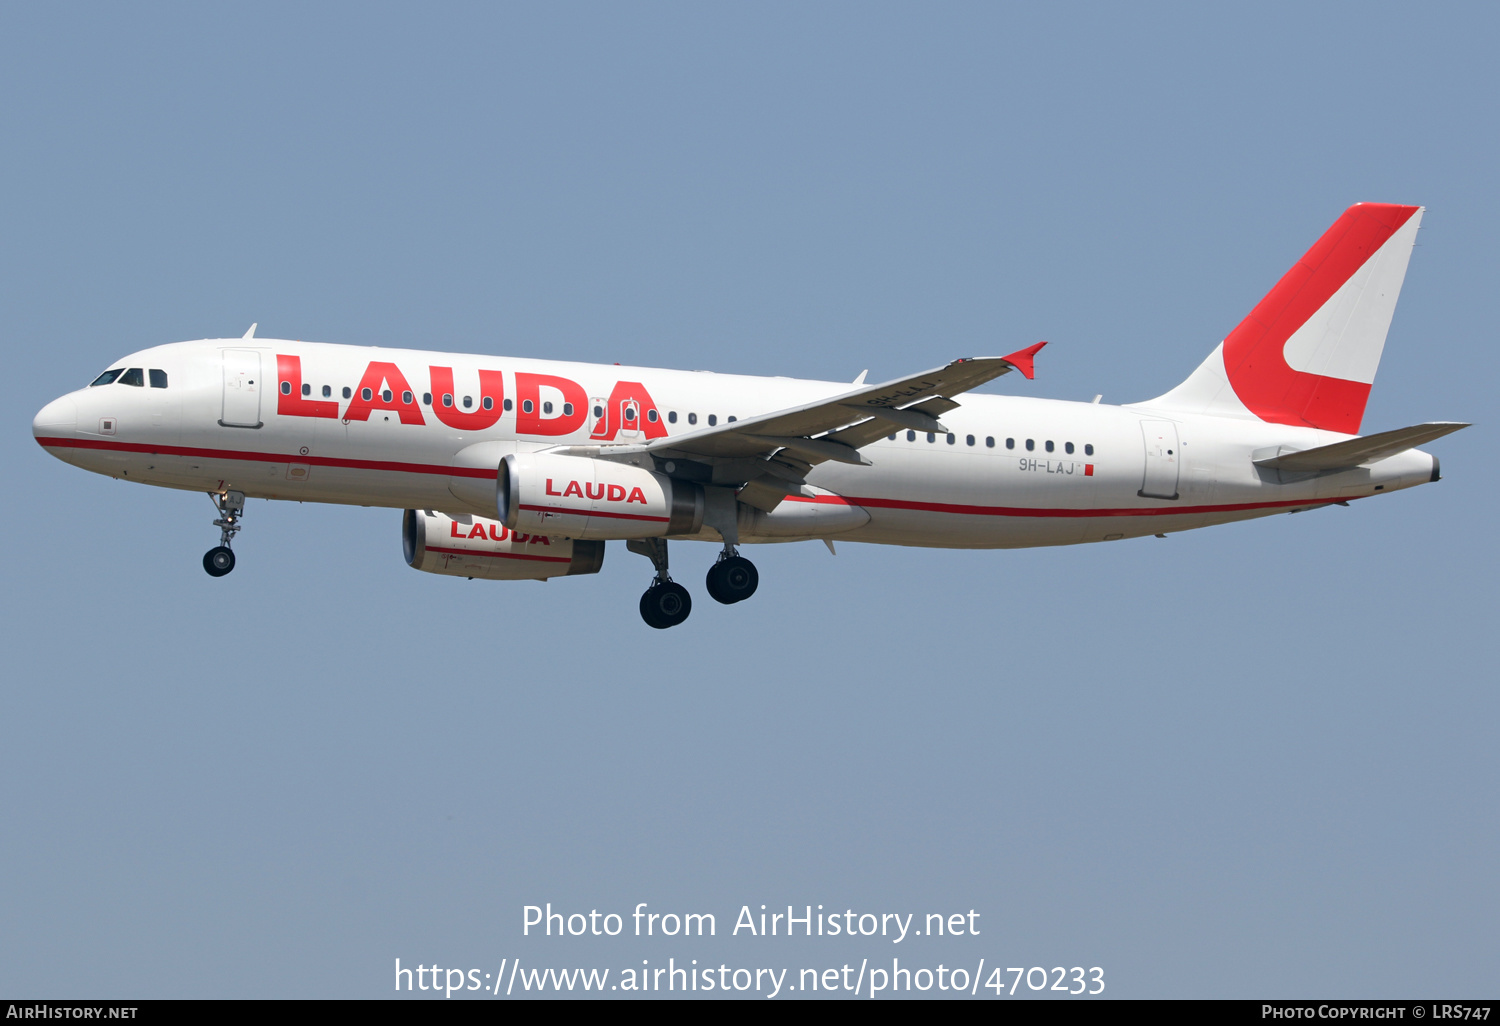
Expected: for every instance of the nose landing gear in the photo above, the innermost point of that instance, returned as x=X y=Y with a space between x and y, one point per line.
x=666 y=603
x=219 y=560
x=733 y=578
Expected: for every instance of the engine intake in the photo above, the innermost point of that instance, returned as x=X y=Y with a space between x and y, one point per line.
x=580 y=497
x=436 y=543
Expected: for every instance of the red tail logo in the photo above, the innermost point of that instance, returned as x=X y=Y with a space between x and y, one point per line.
x=1255 y=352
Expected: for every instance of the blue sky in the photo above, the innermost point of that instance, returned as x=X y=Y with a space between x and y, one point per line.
x=1255 y=760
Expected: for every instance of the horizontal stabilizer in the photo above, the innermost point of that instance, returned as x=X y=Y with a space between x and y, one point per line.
x=1356 y=451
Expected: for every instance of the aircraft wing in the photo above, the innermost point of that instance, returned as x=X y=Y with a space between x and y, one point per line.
x=771 y=454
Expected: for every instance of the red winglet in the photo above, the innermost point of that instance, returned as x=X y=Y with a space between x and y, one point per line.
x=1021 y=360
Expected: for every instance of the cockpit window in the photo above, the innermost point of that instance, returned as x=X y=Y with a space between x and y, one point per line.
x=133 y=377
x=108 y=377
x=158 y=378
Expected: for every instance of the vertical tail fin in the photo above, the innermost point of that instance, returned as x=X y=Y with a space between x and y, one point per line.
x=1308 y=352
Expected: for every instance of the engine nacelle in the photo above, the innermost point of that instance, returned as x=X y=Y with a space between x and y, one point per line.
x=475 y=547
x=580 y=497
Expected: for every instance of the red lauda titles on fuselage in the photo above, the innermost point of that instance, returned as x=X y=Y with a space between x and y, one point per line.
x=607 y=492
x=384 y=387
x=289 y=399
x=491 y=400
x=496 y=532
x=631 y=407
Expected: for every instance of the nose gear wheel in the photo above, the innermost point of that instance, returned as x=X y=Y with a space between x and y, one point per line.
x=219 y=560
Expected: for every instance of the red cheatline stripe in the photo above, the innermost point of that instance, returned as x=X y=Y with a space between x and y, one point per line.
x=595 y=513
x=925 y=507
x=263 y=457
x=501 y=555
x=1028 y=511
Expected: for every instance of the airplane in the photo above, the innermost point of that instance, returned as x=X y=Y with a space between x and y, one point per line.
x=524 y=469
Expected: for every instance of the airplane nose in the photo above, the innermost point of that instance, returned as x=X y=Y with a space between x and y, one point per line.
x=58 y=419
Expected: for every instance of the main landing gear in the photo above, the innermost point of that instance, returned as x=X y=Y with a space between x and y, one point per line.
x=733 y=578
x=219 y=560
x=666 y=603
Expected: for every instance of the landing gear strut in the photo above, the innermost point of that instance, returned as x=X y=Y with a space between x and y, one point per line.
x=666 y=603
x=219 y=560
x=733 y=578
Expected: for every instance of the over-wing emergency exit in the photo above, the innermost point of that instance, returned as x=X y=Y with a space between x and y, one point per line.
x=523 y=469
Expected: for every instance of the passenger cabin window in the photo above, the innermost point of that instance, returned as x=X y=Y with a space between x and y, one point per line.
x=506 y=404
x=911 y=436
x=366 y=394
x=426 y=398
x=671 y=416
x=133 y=376
x=108 y=377
x=526 y=405
x=348 y=393
x=1010 y=443
x=546 y=407
x=1068 y=448
x=1049 y=445
x=306 y=389
x=158 y=378
x=327 y=391
x=1030 y=445
x=692 y=418
x=989 y=441
x=713 y=418
x=447 y=398
x=652 y=416
x=489 y=403
x=1088 y=450
x=468 y=401
x=969 y=439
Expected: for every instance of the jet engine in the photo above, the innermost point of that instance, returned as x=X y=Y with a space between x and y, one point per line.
x=580 y=497
x=475 y=547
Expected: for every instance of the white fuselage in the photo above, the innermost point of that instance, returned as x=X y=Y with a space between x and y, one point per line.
x=1014 y=472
